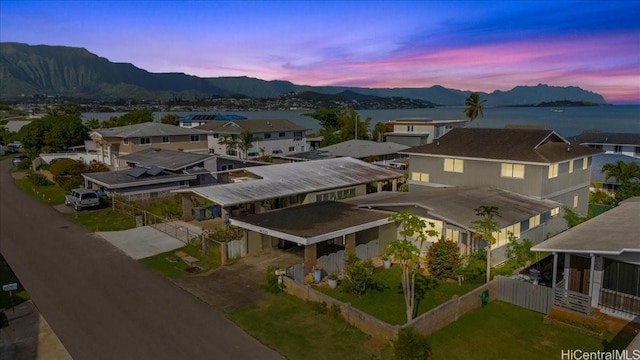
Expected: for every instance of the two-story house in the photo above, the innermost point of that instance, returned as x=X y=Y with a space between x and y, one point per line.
x=611 y=143
x=419 y=131
x=112 y=143
x=534 y=162
x=273 y=136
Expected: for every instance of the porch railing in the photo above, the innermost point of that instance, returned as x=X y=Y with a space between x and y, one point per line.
x=571 y=300
x=617 y=301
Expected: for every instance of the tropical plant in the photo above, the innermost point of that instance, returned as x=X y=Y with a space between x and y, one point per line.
x=338 y=125
x=230 y=142
x=379 y=131
x=407 y=254
x=358 y=275
x=519 y=250
x=621 y=171
x=410 y=345
x=474 y=106
x=443 y=258
x=573 y=218
x=171 y=119
x=245 y=142
x=485 y=228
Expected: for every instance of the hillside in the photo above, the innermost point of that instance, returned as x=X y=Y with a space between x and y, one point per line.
x=27 y=70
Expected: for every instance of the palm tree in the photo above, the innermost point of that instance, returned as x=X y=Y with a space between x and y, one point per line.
x=230 y=142
x=379 y=129
x=474 y=106
x=246 y=142
x=621 y=171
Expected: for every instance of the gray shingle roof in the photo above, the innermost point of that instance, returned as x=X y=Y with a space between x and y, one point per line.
x=362 y=148
x=253 y=125
x=147 y=129
x=282 y=180
x=457 y=204
x=121 y=179
x=167 y=159
x=526 y=145
x=597 y=137
x=613 y=232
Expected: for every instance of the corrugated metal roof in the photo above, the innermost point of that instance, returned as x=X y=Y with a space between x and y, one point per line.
x=167 y=159
x=613 y=232
x=282 y=180
x=147 y=129
x=457 y=204
x=527 y=145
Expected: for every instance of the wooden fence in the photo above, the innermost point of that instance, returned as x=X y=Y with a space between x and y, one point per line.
x=524 y=294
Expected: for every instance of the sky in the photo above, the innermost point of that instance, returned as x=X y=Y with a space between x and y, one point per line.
x=466 y=45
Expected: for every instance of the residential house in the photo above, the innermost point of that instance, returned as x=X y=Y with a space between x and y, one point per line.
x=274 y=136
x=612 y=143
x=361 y=224
x=112 y=143
x=154 y=173
x=195 y=120
x=599 y=160
x=533 y=162
x=262 y=188
x=419 y=131
x=597 y=263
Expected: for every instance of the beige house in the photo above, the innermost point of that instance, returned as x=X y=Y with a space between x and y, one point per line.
x=112 y=143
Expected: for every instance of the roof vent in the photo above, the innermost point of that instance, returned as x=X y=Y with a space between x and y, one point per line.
x=438 y=143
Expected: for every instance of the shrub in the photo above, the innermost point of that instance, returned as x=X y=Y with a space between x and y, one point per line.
x=520 y=251
x=273 y=285
x=38 y=179
x=24 y=164
x=410 y=345
x=474 y=266
x=358 y=275
x=68 y=182
x=67 y=167
x=444 y=258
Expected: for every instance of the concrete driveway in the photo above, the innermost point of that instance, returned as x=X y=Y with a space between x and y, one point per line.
x=141 y=242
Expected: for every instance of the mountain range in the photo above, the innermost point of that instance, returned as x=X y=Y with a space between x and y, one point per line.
x=28 y=70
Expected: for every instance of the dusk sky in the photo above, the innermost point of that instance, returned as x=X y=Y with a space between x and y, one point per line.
x=467 y=45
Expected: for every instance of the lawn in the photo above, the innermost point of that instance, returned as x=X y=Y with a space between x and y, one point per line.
x=386 y=301
x=167 y=264
x=51 y=194
x=504 y=331
x=104 y=220
x=305 y=331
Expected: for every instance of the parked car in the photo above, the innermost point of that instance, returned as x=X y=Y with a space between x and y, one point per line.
x=19 y=158
x=81 y=198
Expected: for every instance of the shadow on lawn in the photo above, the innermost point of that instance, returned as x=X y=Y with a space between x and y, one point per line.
x=622 y=339
x=423 y=285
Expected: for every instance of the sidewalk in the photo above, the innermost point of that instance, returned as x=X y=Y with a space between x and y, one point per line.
x=29 y=337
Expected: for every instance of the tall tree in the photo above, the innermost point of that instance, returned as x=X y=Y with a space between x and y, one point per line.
x=474 y=106
x=171 y=119
x=379 y=129
x=245 y=142
x=485 y=228
x=60 y=129
x=340 y=125
x=230 y=142
x=407 y=254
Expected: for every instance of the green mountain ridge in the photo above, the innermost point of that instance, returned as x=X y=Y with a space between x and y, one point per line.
x=27 y=70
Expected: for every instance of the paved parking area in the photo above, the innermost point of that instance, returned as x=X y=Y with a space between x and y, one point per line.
x=141 y=242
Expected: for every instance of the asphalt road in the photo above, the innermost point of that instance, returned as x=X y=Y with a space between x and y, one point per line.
x=101 y=303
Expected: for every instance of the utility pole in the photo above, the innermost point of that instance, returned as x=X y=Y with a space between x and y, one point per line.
x=357 y=119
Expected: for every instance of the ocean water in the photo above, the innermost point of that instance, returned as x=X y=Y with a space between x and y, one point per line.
x=565 y=121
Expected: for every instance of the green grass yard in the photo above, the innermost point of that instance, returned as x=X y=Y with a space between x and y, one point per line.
x=103 y=220
x=299 y=330
x=167 y=264
x=504 y=331
x=386 y=302
x=51 y=194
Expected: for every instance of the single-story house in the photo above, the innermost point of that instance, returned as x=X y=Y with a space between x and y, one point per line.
x=601 y=258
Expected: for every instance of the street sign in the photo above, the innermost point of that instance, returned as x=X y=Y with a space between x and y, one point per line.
x=10 y=287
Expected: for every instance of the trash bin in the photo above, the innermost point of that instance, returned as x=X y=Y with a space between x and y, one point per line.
x=485 y=297
x=200 y=213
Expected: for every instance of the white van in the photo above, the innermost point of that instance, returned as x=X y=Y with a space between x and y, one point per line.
x=81 y=198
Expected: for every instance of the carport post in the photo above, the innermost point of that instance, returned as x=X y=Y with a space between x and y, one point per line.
x=350 y=243
x=310 y=257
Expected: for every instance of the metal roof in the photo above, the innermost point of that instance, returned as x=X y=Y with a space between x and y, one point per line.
x=282 y=180
x=456 y=204
x=252 y=125
x=123 y=179
x=210 y=117
x=526 y=145
x=362 y=148
x=613 y=232
x=147 y=129
x=167 y=159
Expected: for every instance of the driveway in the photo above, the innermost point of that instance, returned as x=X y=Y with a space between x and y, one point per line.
x=101 y=303
x=142 y=242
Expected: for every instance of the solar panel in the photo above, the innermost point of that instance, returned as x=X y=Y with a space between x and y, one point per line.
x=154 y=170
x=136 y=172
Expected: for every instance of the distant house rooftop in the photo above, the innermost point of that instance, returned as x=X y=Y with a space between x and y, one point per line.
x=424 y=120
x=591 y=137
x=252 y=125
x=210 y=117
x=358 y=149
x=146 y=129
x=166 y=159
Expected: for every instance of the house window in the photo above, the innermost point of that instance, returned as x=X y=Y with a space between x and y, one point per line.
x=512 y=171
x=297 y=136
x=534 y=221
x=575 y=201
x=454 y=165
x=276 y=151
x=553 y=171
x=418 y=176
x=194 y=138
x=145 y=141
x=555 y=211
x=267 y=135
x=570 y=166
x=216 y=135
x=186 y=124
x=165 y=139
x=617 y=148
x=281 y=134
x=125 y=141
x=226 y=167
x=585 y=163
x=292 y=148
x=409 y=128
x=637 y=151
